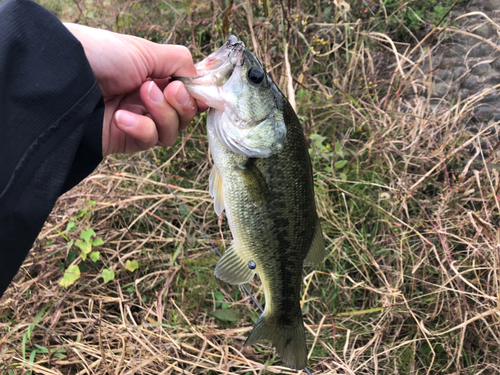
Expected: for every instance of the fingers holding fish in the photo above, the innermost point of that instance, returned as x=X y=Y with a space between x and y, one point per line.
x=152 y=115
x=140 y=129
x=133 y=128
x=184 y=105
x=165 y=119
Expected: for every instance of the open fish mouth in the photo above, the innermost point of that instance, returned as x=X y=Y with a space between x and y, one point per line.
x=227 y=54
x=218 y=66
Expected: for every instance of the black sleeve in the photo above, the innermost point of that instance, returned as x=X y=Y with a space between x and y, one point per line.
x=51 y=112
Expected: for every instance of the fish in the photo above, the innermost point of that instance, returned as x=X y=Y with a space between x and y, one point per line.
x=263 y=178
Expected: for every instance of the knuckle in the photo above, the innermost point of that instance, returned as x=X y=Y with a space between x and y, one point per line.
x=184 y=52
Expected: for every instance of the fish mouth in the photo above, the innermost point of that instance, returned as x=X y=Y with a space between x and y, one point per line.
x=218 y=66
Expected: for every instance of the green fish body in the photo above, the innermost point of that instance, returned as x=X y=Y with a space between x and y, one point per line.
x=263 y=179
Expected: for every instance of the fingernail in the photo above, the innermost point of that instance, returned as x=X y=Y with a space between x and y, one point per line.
x=182 y=96
x=126 y=119
x=155 y=93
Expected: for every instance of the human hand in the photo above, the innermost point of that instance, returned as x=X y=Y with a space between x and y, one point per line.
x=141 y=109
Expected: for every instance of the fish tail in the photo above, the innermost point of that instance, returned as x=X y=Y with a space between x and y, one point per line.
x=289 y=341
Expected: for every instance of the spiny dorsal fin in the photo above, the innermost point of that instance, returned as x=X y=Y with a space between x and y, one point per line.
x=317 y=252
x=215 y=189
x=233 y=268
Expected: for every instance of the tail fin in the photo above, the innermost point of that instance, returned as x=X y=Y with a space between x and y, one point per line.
x=289 y=341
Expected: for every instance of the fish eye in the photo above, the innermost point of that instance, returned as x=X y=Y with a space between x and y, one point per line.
x=256 y=76
x=252 y=265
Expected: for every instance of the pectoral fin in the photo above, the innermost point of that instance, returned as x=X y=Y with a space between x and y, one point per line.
x=233 y=268
x=215 y=189
x=317 y=252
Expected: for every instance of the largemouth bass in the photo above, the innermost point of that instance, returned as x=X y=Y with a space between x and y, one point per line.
x=262 y=177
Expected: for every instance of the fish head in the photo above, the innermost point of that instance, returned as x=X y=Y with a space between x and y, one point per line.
x=249 y=107
x=215 y=69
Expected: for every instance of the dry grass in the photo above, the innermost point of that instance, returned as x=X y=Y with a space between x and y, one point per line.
x=407 y=191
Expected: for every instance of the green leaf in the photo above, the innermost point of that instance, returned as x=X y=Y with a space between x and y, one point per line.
x=82 y=212
x=97 y=242
x=219 y=296
x=71 y=225
x=253 y=315
x=87 y=234
x=71 y=257
x=41 y=349
x=338 y=149
x=107 y=275
x=70 y=276
x=132 y=265
x=94 y=255
x=62 y=234
x=340 y=164
x=70 y=244
x=228 y=315
x=317 y=139
x=85 y=247
x=179 y=248
x=32 y=359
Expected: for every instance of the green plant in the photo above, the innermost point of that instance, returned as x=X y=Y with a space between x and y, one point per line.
x=86 y=243
x=412 y=16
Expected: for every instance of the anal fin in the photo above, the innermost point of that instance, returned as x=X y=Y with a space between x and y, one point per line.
x=317 y=252
x=233 y=268
x=215 y=189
